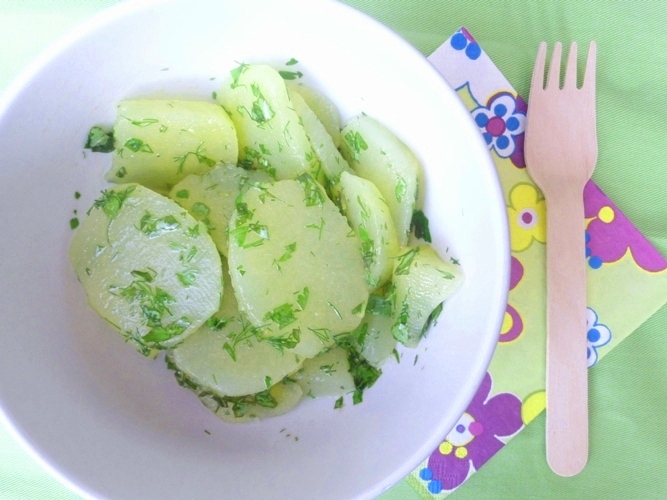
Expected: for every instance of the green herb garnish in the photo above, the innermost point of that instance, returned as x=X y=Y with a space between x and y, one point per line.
x=112 y=201
x=356 y=143
x=99 y=141
x=363 y=373
x=153 y=226
x=285 y=342
x=282 y=315
x=199 y=154
x=290 y=75
x=420 y=225
x=314 y=193
x=401 y=189
x=405 y=261
x=137 y=146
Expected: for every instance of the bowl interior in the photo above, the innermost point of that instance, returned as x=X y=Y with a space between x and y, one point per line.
x=112 y=424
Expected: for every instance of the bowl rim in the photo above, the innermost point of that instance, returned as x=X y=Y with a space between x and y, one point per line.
x=110 y=15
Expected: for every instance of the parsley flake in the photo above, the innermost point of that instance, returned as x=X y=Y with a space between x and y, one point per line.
x=99 y=141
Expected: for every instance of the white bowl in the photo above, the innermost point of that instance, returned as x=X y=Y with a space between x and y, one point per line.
x=110 y=423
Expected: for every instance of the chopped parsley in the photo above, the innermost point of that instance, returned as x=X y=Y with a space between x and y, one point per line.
x=112 y=201
x=141 y=123
x=183 y=194
x=314 y=193
x=290 y=75
x=356 y=143
x=379 y=306
x=198 y=154
x=363 y=373
x=291 y=62
x=153 y=226
x=137 y=146
x=74 y=223
x=261 y=111
x=400 y=329
x=282 y=315
x=405 y=261
x=218 y=323
x=401 y=189
x=302 y=298
x=289 y=341
x=99 y=141
x=432 y=318
x=236 y=73
x=420 y=225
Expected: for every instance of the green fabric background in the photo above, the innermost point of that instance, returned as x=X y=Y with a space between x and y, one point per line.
x=628 y=389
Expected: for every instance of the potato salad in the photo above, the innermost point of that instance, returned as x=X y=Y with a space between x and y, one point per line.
x=271 y=251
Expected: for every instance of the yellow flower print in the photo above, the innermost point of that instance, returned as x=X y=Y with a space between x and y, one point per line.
x=527 y=216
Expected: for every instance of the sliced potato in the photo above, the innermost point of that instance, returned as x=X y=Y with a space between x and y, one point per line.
x=376 y=154
x=327 y=374
x=211 y=197
x=369 y=215
x=378 y=344
x=325 y=110
x=226 y=356
x=295 y=264
x=325 y=149
x=270 y=135
x=277 y=400
x=422 y=281
x=159 y=142
x=148 y=268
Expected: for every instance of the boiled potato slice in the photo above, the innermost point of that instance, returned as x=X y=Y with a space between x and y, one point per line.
x=378 y=343
x=226 y=356
x=327 y=374
x=376 y=154
x=148 y=268
x=270 y=135
x=325 y=149
x=211 y=197
x=159 y=142
x=295 y=264
x=325 y=110
x=277 y=400
x=369 y=215
x=422 y=281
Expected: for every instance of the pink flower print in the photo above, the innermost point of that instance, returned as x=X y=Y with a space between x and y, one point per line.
x=512 y=323
x=474 y=438
x=502 y=122
x=610 y=234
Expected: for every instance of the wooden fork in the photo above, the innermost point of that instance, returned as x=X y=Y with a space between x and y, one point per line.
x=561 y=152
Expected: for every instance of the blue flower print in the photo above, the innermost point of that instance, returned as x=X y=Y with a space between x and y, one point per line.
x=502 y=122
x=597 y=335
x=462 y=40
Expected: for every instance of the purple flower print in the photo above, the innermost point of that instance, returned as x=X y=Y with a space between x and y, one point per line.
x=610 y=234
x=502 y=123
x=474 y=438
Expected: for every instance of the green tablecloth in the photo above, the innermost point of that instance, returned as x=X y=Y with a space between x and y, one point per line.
x=628 y=394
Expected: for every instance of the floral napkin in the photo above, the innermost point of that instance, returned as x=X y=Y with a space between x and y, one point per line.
x=627 y=278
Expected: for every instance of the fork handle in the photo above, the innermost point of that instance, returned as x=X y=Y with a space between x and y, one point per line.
x=567 y=369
